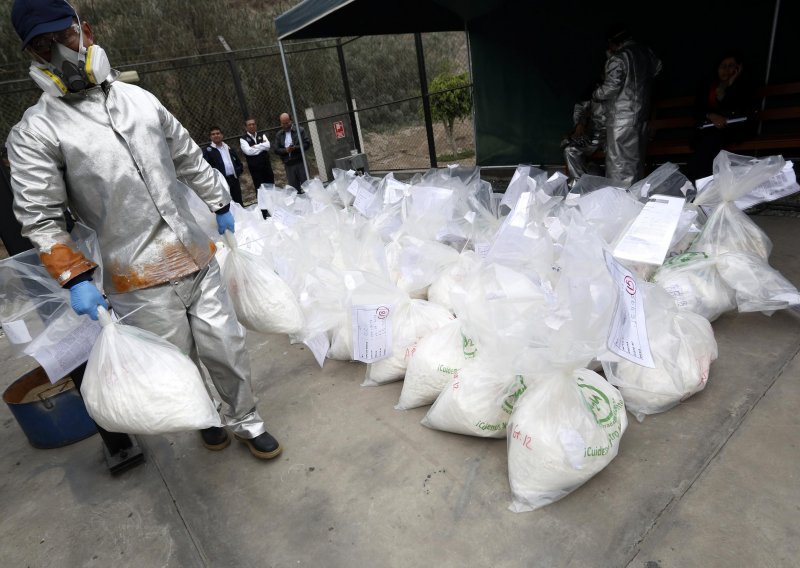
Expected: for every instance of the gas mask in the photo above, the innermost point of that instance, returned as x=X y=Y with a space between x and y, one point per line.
x=69 y=70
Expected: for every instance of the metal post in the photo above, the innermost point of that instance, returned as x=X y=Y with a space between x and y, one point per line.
x=426 y=103
x=294 y=110
x=772 y=40
x=769 y=56
x=472 y=94
x=237 y=80
x=348 y=97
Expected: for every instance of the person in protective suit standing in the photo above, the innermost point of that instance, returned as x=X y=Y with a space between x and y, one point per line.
x=113 y=154
x=625 y=92
x=588 y=135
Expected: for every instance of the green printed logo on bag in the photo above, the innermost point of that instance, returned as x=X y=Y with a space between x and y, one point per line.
x=597 y=403
x=519 y=388
x=685 y=258
x=468 y=346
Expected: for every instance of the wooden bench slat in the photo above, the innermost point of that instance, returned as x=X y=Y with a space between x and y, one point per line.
x=778 y=90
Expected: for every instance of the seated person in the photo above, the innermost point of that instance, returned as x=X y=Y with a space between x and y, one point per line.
x=724 y=113
x=586 y=138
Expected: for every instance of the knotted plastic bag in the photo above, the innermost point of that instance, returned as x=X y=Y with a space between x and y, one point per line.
x=263 y=302
x=138 y=383
x=563 y=430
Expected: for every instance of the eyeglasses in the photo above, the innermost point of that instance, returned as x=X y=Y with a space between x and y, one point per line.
x=43 y=43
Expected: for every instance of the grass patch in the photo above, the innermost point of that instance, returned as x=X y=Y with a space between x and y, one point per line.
x=463 y=154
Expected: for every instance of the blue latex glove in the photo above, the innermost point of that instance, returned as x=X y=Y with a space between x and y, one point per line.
x=225 y=222
x=84 y=298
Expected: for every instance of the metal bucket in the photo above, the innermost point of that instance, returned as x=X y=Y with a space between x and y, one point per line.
x=51 y=416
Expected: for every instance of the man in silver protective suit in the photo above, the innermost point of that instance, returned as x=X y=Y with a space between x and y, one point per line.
x=625 y=92
x=113 y=154
x=588 y=136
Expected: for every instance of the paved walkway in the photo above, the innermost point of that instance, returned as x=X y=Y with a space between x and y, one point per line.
x=713 y=482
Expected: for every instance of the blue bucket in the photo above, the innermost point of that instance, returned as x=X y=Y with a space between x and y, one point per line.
x=50 y=415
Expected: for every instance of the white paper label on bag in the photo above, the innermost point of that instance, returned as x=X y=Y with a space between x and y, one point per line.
x=482 y=248
x=286 y=218
x=628 y=334
x=352 y=189
x=17 y=332
x=648 y=238
x=372 y=332
x=319 y=346
x=64 y=355
x=364 y=198
x=317 y=206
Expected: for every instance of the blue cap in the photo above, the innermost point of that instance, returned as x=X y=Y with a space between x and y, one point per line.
x=35 y=17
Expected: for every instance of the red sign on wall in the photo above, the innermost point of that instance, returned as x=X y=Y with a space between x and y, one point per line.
x=338 y=128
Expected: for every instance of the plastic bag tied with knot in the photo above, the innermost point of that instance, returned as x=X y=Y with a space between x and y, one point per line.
x=139 y=383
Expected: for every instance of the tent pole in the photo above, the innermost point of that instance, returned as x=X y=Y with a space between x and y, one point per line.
x=294 y=110
x=772 y=40
x=426 y=103
x=769 y=54
x=347 y=95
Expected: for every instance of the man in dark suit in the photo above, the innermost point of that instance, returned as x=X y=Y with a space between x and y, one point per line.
x=222 y=158
x=255 y=147
x=287 y=146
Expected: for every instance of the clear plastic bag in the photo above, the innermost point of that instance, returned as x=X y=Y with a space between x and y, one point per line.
x=35 y=311
x=435 y=361
x=139 y=383
x=452 y=277
x=758 y=286
x=414 y=263
x=693 y=281
x=411 y=321
x=263 y=302
x=472 y=403
x=609 y=210
x=683 y=348
x=563 y=430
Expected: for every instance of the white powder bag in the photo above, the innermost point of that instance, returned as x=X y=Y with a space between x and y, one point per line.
x=758 y=286
x=472 y=403
x=411 y=321
x=563 y=430
x=695 y=284
x=342 y=341
x=433 y=365
x=683 y=347
x=139 y=383
x=263 y=302
x=452 y=277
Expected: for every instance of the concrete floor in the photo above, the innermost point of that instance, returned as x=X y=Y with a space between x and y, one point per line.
x=713 y=482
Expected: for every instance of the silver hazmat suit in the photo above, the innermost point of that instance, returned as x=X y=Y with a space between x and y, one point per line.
x=113 y=156
x=578 y=150
x=626 y=87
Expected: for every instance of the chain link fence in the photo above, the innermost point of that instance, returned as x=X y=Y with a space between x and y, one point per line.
x=222 y=89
